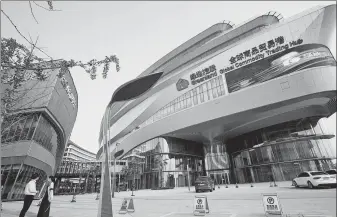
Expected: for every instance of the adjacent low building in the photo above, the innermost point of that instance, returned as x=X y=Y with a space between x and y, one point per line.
x=75 y=152
x=78 y=171
x=35 y=135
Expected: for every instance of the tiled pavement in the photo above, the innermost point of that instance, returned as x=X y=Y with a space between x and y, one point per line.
x=244 y=201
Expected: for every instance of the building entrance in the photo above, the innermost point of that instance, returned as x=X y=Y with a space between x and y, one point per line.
x=220 y=177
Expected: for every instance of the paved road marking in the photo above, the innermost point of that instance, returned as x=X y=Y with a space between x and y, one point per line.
x=167 y=214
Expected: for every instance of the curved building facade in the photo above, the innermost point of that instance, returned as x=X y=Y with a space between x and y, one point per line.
x=239 y=103
x=34 y=137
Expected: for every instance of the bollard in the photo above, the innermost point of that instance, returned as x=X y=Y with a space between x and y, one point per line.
x=74 y=199
x=132 y=188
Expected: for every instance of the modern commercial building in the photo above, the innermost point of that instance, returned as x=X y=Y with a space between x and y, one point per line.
x=35 y=135
x=239 y=103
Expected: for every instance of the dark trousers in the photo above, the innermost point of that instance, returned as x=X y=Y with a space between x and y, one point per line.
x=26 y=204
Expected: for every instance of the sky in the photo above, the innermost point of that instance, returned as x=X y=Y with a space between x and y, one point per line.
x=139 y=33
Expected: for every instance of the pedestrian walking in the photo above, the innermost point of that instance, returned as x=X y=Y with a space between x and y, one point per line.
x=47 y=199
x=30 y=192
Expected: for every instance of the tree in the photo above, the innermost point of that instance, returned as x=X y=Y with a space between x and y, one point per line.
x=132 y=169
x=160 y=164
x=20 y=65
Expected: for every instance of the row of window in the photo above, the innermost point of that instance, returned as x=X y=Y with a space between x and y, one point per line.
x=31 y=126
x=68 y=167
x=296 y=129
x=15 y=177
x=19 y=127
x=166 y=145
x=169 y=162
x=205 y=92
x=80 y=151
x=281 y=171
x=78 y=157
x=291 y=151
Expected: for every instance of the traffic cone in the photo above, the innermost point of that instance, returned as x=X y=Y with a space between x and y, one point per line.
x=74 y=199
x=131 y=207
x=123 y=209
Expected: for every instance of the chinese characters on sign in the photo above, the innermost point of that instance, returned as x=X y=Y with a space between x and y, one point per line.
x=67 y=88
x=259 y=52
x=200 y=205
x=203 y=75
x=271 y=204
x=251 y=55
x=258 y=49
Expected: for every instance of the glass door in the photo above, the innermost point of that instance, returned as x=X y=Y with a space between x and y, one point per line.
x=220 y=177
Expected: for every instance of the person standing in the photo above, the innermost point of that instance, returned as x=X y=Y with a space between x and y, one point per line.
x=48 y=197
x=30 y=192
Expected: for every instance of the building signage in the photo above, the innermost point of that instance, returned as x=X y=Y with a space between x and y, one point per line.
x=68 y=90
x=254 y=54
x=182 y=84
x=203 y=75
x=271 y=204
x=259 y=52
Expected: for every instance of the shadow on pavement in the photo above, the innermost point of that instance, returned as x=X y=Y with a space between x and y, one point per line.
x=11 y=213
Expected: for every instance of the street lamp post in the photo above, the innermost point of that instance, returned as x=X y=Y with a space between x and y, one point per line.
x=128 y=91
x=133 y=184
x=188 y=177
x=119 y=180
x=114 y=184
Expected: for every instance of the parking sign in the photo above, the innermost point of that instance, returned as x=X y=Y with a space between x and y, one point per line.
x=200 y=206
x=272 y=204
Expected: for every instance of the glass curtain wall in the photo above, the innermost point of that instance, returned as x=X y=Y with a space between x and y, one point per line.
x=32 y=126
x=282 y=151
x=14 y=179
x=212 y=89
x=26 y=127
x=217 y=162
x=163 y=162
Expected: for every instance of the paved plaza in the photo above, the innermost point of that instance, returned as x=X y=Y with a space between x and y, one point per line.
x=244 y=201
